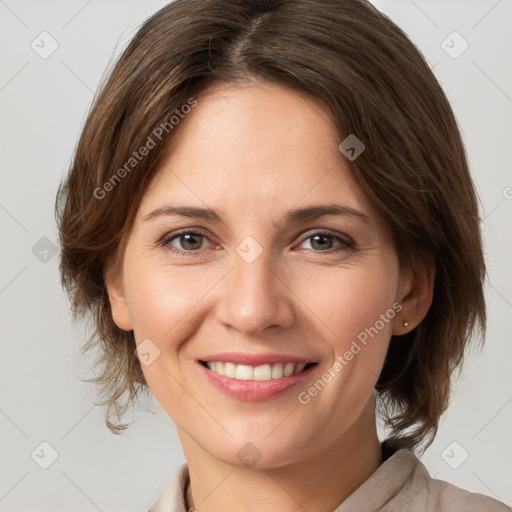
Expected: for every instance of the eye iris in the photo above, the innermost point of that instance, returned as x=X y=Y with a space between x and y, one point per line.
x=314 y=240
x=189 y=240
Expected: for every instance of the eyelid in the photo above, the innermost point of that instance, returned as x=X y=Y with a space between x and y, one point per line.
x=324 y=231
x=345 y=243
x=164 y=240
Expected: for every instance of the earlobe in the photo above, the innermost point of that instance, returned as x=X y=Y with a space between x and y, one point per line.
x=117 y=299
x=416 y=292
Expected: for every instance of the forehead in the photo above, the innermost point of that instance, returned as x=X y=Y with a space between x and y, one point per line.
x=255 y=147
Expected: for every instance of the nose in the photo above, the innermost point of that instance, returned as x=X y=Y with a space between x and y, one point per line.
x=255 y=296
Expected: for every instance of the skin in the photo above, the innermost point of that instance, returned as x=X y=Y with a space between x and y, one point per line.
x=251 y=153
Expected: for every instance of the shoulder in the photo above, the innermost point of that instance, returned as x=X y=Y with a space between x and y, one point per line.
x=407 y=486
x=446 y=497
x=172 y=496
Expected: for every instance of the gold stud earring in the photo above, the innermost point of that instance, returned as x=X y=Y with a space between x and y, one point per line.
x=406 y=324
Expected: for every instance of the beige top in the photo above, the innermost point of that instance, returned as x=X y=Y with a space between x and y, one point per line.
x=401 y=483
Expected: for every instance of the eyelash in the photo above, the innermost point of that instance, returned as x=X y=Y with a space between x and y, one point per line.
x=345 y=243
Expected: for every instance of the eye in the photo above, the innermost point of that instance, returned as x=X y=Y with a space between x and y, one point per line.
x=190 y=242
x=323 y=241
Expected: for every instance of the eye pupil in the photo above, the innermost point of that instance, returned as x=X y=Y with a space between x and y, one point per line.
x=188 y=237
x=314 y=240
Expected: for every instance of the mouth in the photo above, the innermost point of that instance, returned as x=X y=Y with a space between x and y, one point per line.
x=255 y=383
x=264 y=372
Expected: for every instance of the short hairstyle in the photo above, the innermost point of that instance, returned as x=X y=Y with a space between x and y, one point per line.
x=376 y=84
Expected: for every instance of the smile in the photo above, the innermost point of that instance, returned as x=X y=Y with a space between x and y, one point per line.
x=263 y=372
x=255 y=383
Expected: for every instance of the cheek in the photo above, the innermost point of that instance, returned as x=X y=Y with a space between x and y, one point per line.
x=166 y=303
x=356 y=305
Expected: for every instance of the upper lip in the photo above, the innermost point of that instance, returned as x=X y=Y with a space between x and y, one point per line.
x=255 y=359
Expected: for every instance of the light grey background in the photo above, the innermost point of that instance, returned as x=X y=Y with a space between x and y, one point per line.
x=43 y=103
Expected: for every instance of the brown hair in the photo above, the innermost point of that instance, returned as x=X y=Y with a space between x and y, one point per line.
x=376 y=84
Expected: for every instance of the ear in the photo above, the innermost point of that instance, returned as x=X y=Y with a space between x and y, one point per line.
x=416 y=292
x=117 y=298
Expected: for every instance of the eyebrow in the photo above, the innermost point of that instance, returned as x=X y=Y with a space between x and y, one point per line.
x=293 y=216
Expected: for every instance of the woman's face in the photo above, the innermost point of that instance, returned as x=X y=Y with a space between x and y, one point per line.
x=253 y=278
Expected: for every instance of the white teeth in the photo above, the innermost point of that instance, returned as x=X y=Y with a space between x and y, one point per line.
x=288 y=369
x=229 y=370
x=244 y=372
x=299 y=368
x=277 y=370
x=263 y=372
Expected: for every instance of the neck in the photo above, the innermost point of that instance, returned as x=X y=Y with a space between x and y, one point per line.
x=318 y=483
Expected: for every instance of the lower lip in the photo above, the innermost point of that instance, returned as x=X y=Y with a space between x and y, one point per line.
x=254 y=390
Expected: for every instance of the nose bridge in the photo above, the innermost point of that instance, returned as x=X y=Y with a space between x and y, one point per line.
x=254 y=271
x=255 y=297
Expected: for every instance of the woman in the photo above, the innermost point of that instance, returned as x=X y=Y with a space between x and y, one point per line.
x=270 y=216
